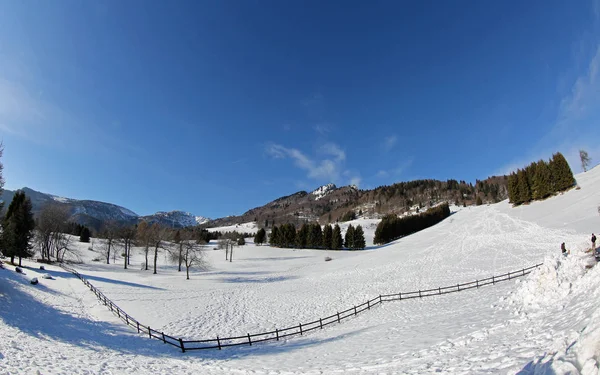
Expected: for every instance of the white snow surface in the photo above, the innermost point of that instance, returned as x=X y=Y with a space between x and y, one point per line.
x=250 y=227
x=545 y=323
x=322 y=191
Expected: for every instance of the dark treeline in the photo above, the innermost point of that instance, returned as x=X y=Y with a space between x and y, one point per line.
x=540 y=179
x=311 y=236
x=392 y=227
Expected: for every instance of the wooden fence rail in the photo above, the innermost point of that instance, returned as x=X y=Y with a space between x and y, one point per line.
x=301 y=328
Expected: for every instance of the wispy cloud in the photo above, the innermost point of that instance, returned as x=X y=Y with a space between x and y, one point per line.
x=322 y=129
x=382 y=174
x=389 y=143
x=325 y=169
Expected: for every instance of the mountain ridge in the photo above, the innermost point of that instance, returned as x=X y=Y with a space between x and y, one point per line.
x=95 y=214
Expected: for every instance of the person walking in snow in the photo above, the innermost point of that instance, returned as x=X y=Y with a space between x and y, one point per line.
x=563 y=248
x=593 y=242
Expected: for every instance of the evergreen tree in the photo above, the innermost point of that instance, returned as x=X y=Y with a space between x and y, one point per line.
x=349 y=238
x=1 y=176
x=327 y=237
x=359 y=238
x=260 y=236
x=336 y=240
x=274 y=238
x=561 y=172
x=18 y=225
x=85 y=235
x=302 y=236
x=315 y=236
x=523 y=189
x=542 y=182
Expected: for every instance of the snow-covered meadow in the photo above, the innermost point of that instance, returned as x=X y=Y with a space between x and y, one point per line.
x=546 y=323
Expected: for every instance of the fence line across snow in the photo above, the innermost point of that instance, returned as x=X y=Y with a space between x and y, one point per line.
x=301 y=328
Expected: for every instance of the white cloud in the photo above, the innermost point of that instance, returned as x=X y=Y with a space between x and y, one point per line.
x=382 y=174
x=334 y=150
x=389 y=143
x=322 y=129
x=326 y=169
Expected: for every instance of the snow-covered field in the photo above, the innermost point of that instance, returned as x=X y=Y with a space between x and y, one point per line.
x=546 y=323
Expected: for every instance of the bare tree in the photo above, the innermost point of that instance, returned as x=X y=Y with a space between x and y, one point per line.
x=143 y=239
x=585 y=159
x=50 y=231
x=157 y=236
x=109 y=234
x=193 y=256
x=226 y=243
x=125 y=237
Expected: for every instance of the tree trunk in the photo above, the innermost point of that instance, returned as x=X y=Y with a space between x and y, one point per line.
x=155 y=258
x=180 y=255
x=147 y=251
x=126 y=252
x=187 y=270
x=20 y=260
x=108 y=253
x=12 y=259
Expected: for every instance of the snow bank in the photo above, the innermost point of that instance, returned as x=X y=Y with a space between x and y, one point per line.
x=565 y=291
x=550 y=284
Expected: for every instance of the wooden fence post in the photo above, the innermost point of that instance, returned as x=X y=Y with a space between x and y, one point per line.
x=440 y=290
x=523 y=271
x=493 y=280
x=380 y=299
x=355 y=310
x=369 y=305
x=181 y=344
x=321 y=322
x=277 y=333
x=164 y=340
x=149 y=332
x=300 y=325
x=420 y=294
x=338 y=314
x=249 y=340
x=400 y=294
x=127 y=319
x=219 y=342
x=477 y=283
x=458 y=286
x=509 y=275
x=138 y=326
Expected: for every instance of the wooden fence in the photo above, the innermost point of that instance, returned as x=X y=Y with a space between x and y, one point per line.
x=301 y=328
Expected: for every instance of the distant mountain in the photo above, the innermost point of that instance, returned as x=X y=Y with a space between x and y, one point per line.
x=94 y=214
x=175 y=218
x=323 y=191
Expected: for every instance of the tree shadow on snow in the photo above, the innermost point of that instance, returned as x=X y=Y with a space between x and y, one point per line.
x=23 y=311
x=252 y=280
x=534 y=367
x=92 y=278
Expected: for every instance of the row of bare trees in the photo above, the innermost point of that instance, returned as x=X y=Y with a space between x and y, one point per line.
x=184 y=247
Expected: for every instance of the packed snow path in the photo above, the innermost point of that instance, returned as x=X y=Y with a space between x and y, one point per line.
x=546 y=324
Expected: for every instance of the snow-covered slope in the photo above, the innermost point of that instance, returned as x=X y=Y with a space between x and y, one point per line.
x=322 y=191
x=176 y=219
x=547 y=323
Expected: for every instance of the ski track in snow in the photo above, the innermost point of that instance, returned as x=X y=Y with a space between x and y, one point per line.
x=542 y=324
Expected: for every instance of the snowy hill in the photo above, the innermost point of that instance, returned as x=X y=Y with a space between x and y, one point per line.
x=545 y=323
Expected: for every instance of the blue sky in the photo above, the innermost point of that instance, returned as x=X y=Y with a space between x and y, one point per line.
x=216 y=107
